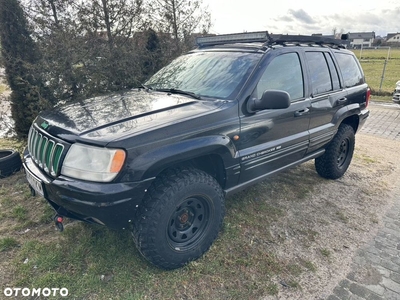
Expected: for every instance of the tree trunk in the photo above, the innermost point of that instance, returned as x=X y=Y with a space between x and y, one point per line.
x=54 y=10
x=108 y=24
x=175 y=25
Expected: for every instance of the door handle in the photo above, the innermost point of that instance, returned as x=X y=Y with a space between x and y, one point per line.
x=301 y=112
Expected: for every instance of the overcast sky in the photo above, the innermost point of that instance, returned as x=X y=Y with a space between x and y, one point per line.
x=305 y=16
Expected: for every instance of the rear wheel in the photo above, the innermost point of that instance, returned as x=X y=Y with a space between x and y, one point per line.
x=338 y=155
x=180 y=217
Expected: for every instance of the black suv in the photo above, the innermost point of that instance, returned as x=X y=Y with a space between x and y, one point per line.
x=160 y=159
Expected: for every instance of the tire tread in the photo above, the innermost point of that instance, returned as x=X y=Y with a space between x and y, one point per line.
x=326 y=165
x=9 y=164
x=154 y=204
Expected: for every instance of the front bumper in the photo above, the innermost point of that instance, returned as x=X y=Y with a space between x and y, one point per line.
x=396 y=97
x=110 y=204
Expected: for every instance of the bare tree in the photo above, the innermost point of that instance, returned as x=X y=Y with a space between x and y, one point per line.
x=59 y=37
x=113 y=18
x=92 y=47
x=113 y=23
x=181 y=18
x=87 y=45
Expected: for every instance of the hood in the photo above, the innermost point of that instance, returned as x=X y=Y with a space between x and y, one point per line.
x=110 y=117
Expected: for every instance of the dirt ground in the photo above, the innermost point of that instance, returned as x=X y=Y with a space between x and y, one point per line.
x=341 y=216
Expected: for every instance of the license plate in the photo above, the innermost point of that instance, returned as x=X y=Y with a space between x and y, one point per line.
x=35 y=183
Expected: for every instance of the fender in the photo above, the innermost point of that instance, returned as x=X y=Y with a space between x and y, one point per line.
x=351 y=110
x=340 y=115
x=357 y=102
x=151 y=163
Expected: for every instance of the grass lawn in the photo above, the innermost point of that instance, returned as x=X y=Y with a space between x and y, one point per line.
x=93 y=262
x=373 y=63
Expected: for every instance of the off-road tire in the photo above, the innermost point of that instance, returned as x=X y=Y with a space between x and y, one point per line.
x=180 y=217
x=337 y=157
x=10 y=162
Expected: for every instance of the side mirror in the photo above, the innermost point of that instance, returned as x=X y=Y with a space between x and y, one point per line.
x=271 y=99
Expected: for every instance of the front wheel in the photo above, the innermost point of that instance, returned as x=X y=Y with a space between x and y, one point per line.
x=180 y=217
x=337 y=157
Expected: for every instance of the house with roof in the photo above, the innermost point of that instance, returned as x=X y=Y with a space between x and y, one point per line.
x=361 y=39
x=393 y=38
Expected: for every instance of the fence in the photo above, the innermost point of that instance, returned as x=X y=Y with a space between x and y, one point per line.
x=381 y=67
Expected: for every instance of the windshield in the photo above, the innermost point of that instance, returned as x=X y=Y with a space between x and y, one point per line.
x=208 y=74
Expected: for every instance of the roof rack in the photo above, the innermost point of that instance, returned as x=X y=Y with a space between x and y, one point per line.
x=282 y=39
x=267 y=39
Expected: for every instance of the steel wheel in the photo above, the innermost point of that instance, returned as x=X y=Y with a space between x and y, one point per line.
x=187 y=224
x=180 y=217
x=343 y=152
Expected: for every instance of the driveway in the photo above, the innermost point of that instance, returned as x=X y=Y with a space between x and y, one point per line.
x=375 y=269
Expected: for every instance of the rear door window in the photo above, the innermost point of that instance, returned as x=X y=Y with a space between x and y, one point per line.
x=319 y=73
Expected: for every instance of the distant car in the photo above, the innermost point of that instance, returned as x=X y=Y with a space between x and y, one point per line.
x=396 y=93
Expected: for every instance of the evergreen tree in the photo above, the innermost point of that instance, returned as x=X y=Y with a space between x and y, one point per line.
x=152 y=60
x=20 y=58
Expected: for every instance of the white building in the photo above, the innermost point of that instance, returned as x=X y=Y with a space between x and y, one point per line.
x=361 y=39
x=393 y=38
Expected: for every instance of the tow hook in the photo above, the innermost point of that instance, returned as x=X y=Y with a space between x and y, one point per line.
x=33 y=193
x=58 y=222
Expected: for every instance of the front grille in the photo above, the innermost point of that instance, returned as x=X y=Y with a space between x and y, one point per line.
x=45 y=151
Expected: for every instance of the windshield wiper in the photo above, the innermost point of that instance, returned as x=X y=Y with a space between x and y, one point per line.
x=177 y=91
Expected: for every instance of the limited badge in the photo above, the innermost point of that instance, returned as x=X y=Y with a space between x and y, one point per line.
x=44 y=125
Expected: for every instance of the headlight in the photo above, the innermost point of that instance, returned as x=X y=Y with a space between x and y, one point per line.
x=93 y=163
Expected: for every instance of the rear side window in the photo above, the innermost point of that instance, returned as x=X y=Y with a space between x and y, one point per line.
x=349 y=68
x=283 y=73
x=319 y=73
